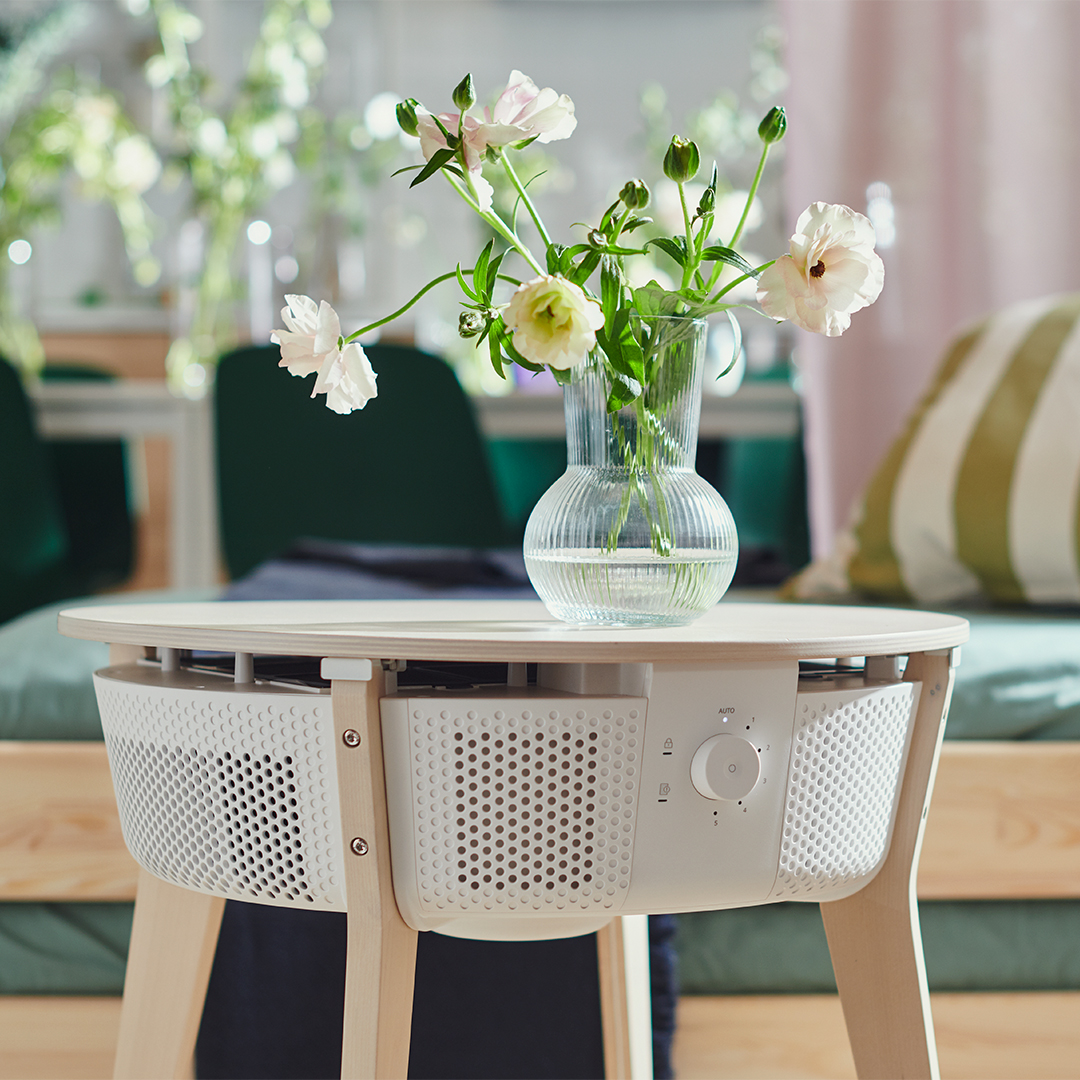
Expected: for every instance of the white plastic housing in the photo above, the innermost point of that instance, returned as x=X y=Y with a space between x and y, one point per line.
x=521 y=812
x=532 y=812
x=225 y=789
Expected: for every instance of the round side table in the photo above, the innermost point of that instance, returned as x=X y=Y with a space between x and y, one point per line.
x=691 y=784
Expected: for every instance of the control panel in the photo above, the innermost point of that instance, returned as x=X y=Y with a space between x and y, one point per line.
x=713 y=779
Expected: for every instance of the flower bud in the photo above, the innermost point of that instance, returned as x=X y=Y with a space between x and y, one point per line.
x=597 y=238
x=772 y=128
x=635 y=194
x=708 y=202
x=465 y=93
x=470 y=323
x=682 y=160
x=406 y=116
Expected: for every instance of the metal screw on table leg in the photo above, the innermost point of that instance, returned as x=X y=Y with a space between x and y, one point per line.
x=350 y=737
x=358 y=846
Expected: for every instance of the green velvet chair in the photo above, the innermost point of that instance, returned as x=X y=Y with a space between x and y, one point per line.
x=33 y=536
x=92 y=483
x=65 y=526
x=410 y=468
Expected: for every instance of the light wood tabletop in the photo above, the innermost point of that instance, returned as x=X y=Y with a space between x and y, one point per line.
x=513 y=630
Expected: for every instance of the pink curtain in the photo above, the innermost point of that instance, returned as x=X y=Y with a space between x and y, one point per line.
x=969 y=111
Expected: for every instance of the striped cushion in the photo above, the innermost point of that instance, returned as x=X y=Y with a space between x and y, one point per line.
x=978 y=496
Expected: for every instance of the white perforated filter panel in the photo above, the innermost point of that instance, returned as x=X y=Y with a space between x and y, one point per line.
x=847 y=750
x=231 y=792
x=520 y=812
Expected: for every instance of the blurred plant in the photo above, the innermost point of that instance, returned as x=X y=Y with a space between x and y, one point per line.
x=340 y=156
x=726 y=130
x=237 y=157
x=76 y=128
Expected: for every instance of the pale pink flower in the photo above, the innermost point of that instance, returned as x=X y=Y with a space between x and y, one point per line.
x=523 y=111
x=475 y=139
x=553 y=321
x=832 y=271
x=527 y=111
x=313 y=346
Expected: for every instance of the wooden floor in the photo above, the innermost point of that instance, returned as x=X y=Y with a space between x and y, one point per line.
x=796 y=1037
x=50 y=1038
x=801 y=1037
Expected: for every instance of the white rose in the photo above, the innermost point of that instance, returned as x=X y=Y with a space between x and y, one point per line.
x=553 y=321
x=832 y=271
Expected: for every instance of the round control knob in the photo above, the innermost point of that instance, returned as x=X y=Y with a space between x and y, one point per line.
x=725 y=767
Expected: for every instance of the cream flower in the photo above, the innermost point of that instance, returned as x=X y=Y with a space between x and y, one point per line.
x=312 y=345
x=831 y=272
x=554 y=322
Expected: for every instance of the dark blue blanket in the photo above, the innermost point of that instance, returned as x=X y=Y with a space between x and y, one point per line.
x=481 y=1009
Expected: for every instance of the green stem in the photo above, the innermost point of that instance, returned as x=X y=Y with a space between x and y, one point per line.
x=524 y=195
x=738 y=281
x=619 y=228
x=691 y=264
x=750 y=196
x=427 y=288
x=495 y=222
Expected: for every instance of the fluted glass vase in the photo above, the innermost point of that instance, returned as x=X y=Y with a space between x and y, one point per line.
x=630 y=535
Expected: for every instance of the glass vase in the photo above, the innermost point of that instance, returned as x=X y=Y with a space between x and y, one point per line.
x=630 y=535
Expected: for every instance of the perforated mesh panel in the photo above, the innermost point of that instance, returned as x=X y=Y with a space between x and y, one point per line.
x=520 y=812
x=232 y=793
x=847 y=751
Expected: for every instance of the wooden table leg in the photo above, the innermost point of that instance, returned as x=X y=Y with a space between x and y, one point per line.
x=622 y=953
x=874 y=936
x=172 y=948
x=381 y=958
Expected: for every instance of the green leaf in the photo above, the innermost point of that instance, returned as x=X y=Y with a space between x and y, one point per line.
x=652 y=300
x=636 y=223
x=729 y=256
x=480 y=269
x=736 y=344
x=466 y=289
x=610 y=288
x=621 y=394
x=492 y=275
x=438 y=160
x=609 y=213
x=451 y=139
x=563 y=376
x=675 y=248
x=558 y=259
x=584 y=269
x=496 y=353
x=622 y=348
x=631 y=347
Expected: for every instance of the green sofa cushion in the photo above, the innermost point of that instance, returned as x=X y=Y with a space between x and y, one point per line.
x=45 y=688
x=969 y=945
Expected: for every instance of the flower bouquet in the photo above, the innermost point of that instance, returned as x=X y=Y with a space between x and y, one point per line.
x=630 y=535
